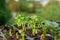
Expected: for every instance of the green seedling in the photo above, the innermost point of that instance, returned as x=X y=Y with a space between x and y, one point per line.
x=18 y=19
x=4 y=31
x=44 y=32
x=34 y=30
x=22 y=34
x=14 y=28
x=33 y=20
x=17 y=35
x=10 y=32
x=50 y=25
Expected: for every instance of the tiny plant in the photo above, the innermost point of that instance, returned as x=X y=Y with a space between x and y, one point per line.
x=22 y=34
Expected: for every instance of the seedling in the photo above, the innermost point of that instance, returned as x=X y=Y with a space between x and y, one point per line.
x=10 y=32
x=33 y=20
x=22 y=34
x=17 y=35
x=18 y=19
x=50 y=25
x=4 y=31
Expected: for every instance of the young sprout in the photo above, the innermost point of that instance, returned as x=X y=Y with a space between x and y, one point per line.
x=33 y=20
x=50 y=26
x=53 y=26
x=23 y=23
x=58 y=31
x=10 y=32
x=17 y=35
x=22 y=34
x=44 y=25
x=28 y=21
x=44 y=33
x=18 y=19
x=4 y=31
x=34 y=29
x=14 y=28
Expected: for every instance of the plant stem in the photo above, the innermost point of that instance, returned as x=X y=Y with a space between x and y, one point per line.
x=55 y=38
x=10 y=32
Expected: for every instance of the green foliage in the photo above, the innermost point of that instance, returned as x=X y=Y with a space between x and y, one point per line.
x=23 y=6
x=51 y=11
x=22 y=34
x=4 y=31
x=4 y=13
x=19 y=19
x=50 y=25
x=32 y=20
x=47 y=25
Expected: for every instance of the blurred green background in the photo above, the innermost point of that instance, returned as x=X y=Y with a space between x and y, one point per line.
x=51 y=11
x=8 y=8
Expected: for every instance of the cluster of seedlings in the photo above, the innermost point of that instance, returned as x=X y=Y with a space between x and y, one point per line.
x=31 y=28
